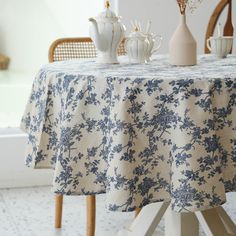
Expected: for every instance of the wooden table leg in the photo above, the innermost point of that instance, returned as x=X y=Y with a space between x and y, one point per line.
x=181 y=224
x=228 y=222
x=58 y=210
x=215 y=223
x=137 y=211
x=91 y=215
x=146 y=222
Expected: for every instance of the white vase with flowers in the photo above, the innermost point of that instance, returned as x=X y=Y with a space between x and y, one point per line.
x=183 y=46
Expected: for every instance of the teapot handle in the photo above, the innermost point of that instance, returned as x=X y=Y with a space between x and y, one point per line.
x=159 y=37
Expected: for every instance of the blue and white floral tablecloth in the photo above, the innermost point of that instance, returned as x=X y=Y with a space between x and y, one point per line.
x=139 y=133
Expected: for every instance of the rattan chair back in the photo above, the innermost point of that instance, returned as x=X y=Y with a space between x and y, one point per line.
x=74 y=48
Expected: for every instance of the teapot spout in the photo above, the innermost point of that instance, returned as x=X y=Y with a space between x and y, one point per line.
x=97 y=38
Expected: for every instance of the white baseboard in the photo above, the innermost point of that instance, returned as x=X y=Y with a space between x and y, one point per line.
x=29 y=178
x=13 y=172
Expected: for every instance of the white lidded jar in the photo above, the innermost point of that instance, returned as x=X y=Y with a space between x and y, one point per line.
x=137 y=47
x=107 y=33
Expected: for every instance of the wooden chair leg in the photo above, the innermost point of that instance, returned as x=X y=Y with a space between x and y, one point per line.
x=91 y=214
x=137 y=211
x=58 y=210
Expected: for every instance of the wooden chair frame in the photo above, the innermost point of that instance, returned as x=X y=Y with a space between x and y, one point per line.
x=228 y=30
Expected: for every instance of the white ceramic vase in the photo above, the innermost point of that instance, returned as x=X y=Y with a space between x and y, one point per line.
x=182 y=46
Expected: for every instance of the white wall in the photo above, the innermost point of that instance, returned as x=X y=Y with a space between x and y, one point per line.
x=28 y=27
x=165 y=15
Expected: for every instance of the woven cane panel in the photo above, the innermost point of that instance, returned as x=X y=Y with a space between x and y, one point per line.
x=75 y=50
x=121 y=49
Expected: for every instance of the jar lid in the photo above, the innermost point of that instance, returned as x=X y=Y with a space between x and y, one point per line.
x=136 y=33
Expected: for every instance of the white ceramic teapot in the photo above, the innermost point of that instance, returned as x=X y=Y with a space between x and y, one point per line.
x=137 y=46
x=107 y=32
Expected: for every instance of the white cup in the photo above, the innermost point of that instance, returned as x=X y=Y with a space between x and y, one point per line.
x=220 y=46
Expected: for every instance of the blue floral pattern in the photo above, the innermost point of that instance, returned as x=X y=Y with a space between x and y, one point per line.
x=139 y=133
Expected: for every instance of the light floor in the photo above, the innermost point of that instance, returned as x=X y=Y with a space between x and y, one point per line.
x=30 y=212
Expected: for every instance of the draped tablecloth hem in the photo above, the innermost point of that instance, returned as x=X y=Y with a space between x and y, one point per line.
x=203 y=208
x=78 y=193
x=35 y=167
x=133 y=208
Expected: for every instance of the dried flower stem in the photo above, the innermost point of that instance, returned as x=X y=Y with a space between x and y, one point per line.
x=182 y=6
x=192 y=4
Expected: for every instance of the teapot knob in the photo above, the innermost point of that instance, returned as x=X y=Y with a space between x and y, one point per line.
x=107 y=4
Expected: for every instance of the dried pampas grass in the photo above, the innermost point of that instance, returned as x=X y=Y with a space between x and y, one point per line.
x=192 y=5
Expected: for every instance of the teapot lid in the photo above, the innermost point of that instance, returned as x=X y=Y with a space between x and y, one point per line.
x=108 y=13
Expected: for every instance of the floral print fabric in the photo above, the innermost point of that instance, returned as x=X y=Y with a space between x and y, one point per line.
x=139 y=133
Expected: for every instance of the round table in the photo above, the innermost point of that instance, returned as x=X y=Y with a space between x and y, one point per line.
x=141 y=134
